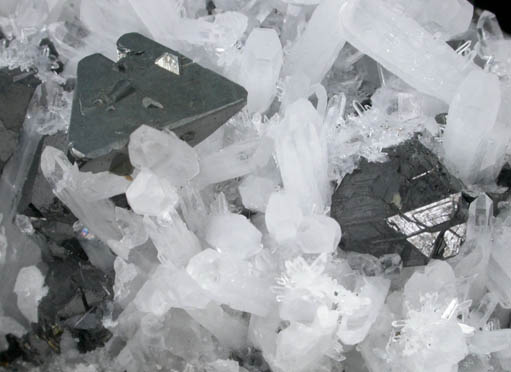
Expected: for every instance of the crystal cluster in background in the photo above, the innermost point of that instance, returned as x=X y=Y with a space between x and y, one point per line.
x=354 y=216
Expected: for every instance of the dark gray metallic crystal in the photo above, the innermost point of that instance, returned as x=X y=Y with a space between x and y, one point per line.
x=150 y=84
x=408 y=205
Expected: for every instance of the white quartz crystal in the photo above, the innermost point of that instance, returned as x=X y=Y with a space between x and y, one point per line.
x=404 y=47
x=151 y=196
x=309 y=57
x=468 y=142
x=445 y=18
x=283 y=216
x=229 y=281
x=98 y=215
x=30 y=289
x=318 y=234
x=234 y=235
x=164 y=154
x=300 y=139
x=260 y=68
x=255 y=192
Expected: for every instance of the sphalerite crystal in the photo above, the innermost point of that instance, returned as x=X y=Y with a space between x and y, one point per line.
x=409 y=204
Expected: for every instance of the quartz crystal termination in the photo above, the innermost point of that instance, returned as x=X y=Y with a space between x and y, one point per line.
x=408 y=205
x=152 y=85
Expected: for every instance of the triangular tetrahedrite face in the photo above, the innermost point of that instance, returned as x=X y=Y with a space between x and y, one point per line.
x=152 y=85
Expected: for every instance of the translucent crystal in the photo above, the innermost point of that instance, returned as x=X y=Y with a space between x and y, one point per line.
x=300 y=140
x=255 y=192
x=99 y=215
x=234 y=235
x=171 y=237
x=443 y=18
x=151 y=196
x=318 y=234
x=229 y=329
x=168 y=288
x=30 y=289
x=283 y=216
x=229 y=281
x=310 y=57
x=260 y=68
x=234 y=161
x=164 y=154
x=467 y=140
x=403 y=47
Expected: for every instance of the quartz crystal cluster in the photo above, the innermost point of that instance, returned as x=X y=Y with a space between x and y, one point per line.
x=353 y=216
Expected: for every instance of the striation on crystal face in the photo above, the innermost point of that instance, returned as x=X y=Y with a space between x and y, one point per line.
x=408 y=205
x=111 y=98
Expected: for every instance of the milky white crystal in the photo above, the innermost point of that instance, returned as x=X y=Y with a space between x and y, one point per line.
x=99 y=216
x=164 y=154
x=467 y=140
x=316 y=49
x=283 y=216
x=260 y=68
x=402 y=46
x=445 y=18
x=233 y=234
x=300 y=139
x=230 y=281
x=30 y=289
x=318 y=234
x=255 y=192
x=151 y=196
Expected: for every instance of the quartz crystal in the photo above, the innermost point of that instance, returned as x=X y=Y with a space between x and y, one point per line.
x=471 y=121
x=403 y=47
x=30 y=289
x=312 y=58
x=260 y=68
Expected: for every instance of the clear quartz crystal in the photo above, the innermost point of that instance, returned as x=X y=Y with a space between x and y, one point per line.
x=468 y=140
x=30 y=289
x=234 y=235
x=309 y=57
x=260 y=68
x=403 y=47
x=98 y=215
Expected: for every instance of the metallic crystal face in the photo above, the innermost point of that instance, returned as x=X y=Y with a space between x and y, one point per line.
x=419 y=225
x=408 y=205
x=169 y=62
x=150 y=84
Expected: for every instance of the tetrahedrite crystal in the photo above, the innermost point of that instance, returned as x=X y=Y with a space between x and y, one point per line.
x=150 y=85
x=402 y=46
x=408 y=205
x=260 y=68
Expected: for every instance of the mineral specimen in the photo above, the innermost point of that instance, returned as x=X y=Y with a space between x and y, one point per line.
x=160 y=239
